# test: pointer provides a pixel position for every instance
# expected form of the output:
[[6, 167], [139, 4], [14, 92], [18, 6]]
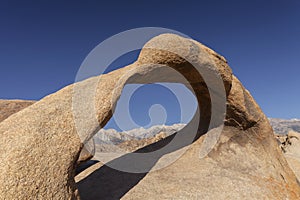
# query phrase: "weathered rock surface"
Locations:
[[87, 152], [290, 145], [40, 145], [9, 107], [127, 146]]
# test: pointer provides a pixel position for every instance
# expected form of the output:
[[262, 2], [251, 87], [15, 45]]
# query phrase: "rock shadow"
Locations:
[[107, 183]]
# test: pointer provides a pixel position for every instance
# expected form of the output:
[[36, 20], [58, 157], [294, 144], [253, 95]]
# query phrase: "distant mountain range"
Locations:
[[112, 136], [283, 126]]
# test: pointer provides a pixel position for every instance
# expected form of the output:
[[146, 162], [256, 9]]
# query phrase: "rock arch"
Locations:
[[40, 144]]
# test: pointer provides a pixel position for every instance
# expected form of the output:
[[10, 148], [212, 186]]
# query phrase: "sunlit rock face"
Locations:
[[9, 107], [41, 144]]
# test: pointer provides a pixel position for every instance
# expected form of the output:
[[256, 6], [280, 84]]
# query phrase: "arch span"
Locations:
[[41, 144]]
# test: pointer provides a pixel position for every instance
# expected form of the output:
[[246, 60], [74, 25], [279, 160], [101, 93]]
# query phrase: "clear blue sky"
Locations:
[[43, 43]]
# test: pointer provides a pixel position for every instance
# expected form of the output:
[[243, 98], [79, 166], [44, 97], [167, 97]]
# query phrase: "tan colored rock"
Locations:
[[128, 146], [9, 107], [290, 145], [41, 144], [87, 152]]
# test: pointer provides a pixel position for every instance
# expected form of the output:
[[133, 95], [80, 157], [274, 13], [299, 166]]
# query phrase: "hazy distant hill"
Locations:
[[283, 126], [112, 136]]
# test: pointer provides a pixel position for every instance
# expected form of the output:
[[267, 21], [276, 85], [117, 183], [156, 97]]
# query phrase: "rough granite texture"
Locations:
[[9, 107], [290, 145], [41, 144]]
